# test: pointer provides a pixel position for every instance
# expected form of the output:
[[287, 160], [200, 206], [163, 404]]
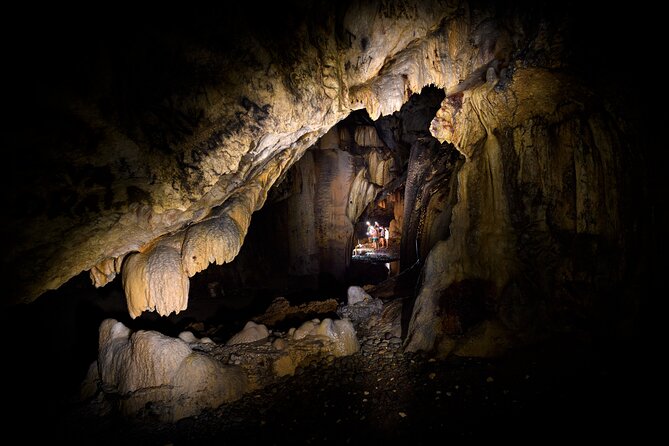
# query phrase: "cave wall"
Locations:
[[536, 241], [150, 128], [428, 198], [315, 215], [146, 154], [298, 220], [304, 235], [334, 231], [396, 224]]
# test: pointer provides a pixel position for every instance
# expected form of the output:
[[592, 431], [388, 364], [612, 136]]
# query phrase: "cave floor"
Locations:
[[365, 252], [568, 390]]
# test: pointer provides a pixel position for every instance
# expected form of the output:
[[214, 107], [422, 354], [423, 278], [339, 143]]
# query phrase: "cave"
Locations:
[[189, 190]]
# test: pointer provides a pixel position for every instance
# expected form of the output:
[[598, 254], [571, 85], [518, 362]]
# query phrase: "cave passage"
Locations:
[[374, 258], [309, 240], [188, 252], [298, 247]]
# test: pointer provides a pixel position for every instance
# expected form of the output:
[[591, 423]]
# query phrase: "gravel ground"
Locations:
[[566, 391]]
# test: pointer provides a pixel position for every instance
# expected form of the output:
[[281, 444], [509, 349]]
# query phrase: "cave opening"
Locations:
[[215, 185], [300, 244], [291, 249]]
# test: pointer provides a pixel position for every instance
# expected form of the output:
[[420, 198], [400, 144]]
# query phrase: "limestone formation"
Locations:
[[305, 329], [366, 136], [152, 164], [228, 124], [311, 213], [251, 332], [155, 281], [339, 333], [342, 333], [145, 368], [356, 294], [189, 338], [363, 191], [283, 353], [215, 241], [89, 387], [360, 306], [538, 180], [106, 271], [281, 309]]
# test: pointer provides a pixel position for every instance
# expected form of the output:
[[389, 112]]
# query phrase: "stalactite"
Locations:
[[379, 166], [366, 136], [362, 193], [216, 240], [106, 271], [155, 280]]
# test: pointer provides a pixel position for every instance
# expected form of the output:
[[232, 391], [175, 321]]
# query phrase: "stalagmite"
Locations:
[[250, 333], [339, 333], [148, 369]]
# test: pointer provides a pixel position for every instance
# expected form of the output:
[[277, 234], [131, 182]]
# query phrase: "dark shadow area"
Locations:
[[367, 272], [567, 390], [596, 388]]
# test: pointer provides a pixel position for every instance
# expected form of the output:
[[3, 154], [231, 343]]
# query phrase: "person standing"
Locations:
[[369, 232], [375, 237]]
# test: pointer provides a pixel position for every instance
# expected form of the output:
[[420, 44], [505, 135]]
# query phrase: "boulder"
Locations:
[[252, 332], [148, 373]]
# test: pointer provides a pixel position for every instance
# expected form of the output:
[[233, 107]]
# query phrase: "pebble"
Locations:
[[388, 379]]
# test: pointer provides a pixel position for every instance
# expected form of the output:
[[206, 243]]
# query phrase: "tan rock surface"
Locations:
[[148, 367], [235, 134]]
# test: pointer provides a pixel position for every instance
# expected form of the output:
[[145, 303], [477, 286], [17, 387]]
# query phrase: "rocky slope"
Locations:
[[381, 394]]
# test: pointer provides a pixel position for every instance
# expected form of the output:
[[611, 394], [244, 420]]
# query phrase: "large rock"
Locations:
[[360, 306], [280, 309], [355, 294], [146, 370], [339, 333], [542, 187], [251, 332]]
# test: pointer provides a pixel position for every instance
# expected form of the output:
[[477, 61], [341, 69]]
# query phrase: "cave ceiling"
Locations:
[[141, 143]]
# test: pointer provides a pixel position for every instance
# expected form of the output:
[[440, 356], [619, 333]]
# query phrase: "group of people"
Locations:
[[377, 235]]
